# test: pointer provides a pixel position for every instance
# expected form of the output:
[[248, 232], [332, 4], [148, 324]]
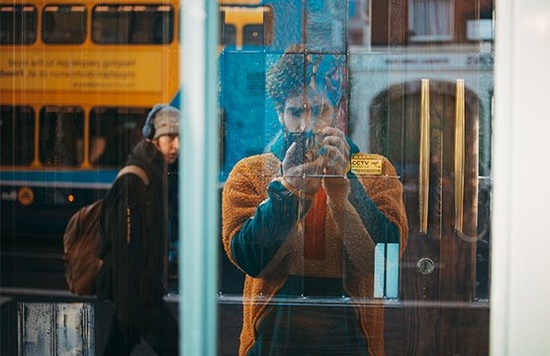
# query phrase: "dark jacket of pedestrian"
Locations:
[[134, 224]]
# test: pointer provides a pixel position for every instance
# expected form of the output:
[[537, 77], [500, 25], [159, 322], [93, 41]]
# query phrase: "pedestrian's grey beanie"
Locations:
[[167, 122]]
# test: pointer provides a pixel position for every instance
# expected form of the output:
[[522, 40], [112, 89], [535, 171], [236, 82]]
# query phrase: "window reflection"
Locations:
[[302, 219], [245, 26], [431, 20], [114, 131], [253, 35], [18, 24], [389, 49], [64, 24], [133, 24], [16, 135], [61, 136]]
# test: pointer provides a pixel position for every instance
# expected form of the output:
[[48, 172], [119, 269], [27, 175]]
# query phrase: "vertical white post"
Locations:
[[520, 292], [198, 178]]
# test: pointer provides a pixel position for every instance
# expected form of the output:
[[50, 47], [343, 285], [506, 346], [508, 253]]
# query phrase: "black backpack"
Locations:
[[82, 239]]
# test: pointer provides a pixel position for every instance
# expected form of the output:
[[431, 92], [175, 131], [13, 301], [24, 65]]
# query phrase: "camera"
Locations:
[[307, 147]]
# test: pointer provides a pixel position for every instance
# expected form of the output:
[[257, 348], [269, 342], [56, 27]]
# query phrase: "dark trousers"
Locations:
[[161, 335]]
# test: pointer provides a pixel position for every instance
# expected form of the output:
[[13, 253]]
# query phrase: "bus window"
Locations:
[[18, 24], [16, 135], [133, 24], [61, 135], [113, 134], [229, 35], [253, 35], [64, 24], [246, 26]]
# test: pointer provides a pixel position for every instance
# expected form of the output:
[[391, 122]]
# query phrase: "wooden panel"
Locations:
[[468, 333], [426, 329]]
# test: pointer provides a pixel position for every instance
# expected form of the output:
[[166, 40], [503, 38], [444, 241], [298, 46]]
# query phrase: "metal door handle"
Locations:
[[459, 155], [424, 161]]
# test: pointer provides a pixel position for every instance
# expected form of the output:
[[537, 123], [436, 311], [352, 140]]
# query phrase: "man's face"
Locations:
[[168, 146], [312, 113]]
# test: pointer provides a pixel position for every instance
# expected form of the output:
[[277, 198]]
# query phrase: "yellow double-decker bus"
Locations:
[[76, 77], [78, 70]]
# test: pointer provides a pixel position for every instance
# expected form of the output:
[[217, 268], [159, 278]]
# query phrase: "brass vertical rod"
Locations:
[[424, 161], [459, 155]]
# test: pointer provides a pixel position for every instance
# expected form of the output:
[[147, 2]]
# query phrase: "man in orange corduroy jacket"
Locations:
[[302, 221]]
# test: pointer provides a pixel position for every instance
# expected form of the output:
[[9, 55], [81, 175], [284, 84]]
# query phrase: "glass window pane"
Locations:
[[133, 24], [18, 24], [64, 24], [61, 136], [16, 135], [376, 56], [326, 25]]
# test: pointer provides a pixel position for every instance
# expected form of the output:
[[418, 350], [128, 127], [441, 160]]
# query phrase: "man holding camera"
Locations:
[[302, 222]]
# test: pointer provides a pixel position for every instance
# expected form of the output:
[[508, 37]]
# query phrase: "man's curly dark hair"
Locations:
[[286, 77], [298, 70]]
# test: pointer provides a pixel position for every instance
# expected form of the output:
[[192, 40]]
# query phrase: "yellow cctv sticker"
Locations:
[[362, 163], [25, 196]]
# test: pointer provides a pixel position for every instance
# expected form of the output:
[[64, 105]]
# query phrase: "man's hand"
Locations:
[[332, 159], [336, 152], [301, 174]]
